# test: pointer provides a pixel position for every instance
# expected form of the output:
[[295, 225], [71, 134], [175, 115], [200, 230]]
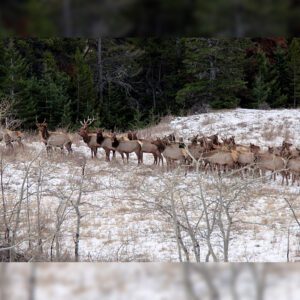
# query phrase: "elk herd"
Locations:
[[207, 153]]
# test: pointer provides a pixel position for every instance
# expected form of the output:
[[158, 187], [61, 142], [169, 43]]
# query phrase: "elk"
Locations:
[[106, 143], [89, 138], [195, 150], [172, 151], [293, 167], [229, 142], [254, 148], [221, 159], [148, 147], [271, 162], [127, 147], [9, 136], [214, 139], [54, 139], [95, 140]]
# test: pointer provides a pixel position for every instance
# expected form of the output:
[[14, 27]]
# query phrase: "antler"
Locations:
[[12, 124], [87, 122]]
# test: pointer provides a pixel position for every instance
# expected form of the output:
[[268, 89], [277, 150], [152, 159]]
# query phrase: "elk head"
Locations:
[[41, 126], [286, 145], [254, 149], [86, 123], [194, 139], [115, 143], [130, 135]]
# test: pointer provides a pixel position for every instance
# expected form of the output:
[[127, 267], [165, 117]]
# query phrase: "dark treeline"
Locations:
[[131, 82], [93, 18]]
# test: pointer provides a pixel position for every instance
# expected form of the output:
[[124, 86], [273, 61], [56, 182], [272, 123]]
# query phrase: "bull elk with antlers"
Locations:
[[54, 139], [89, 138], [95, 140]]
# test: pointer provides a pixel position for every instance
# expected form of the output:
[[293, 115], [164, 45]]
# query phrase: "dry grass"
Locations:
[[242, 125], [158, 130], [271, 132], [208, 120]]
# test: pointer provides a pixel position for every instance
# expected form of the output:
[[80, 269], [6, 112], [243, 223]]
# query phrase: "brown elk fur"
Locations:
[[54, 139], [293, 167], [11, 136], [173, 152], [148, 147], [271, 162], [127, 147]]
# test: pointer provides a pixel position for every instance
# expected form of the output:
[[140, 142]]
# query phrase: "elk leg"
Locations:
[[161, 159], [107, 152], [122, 155], [155, 159], [48, 149], [20, 143], [95, 152], [140, 157], [168, 164]]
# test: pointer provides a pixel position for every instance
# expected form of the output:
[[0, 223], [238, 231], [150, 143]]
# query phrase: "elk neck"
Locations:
[[45, 133]]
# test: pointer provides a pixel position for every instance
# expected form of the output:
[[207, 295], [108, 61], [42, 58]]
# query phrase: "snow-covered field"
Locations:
[[122, 217], [153, 281]]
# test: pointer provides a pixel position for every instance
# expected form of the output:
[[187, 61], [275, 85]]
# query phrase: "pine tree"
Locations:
[[13, 69], [261, 90], [279, 79], [84, 86], [53, 93], [294, 62], [215, 69], [66, 119], [27, 105]]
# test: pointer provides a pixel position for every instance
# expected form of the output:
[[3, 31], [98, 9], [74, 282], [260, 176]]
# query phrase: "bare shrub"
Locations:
[[269, 132]]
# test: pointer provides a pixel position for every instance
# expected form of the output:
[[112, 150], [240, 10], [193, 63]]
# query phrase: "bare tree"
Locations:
[[76, 205], [3, 281]]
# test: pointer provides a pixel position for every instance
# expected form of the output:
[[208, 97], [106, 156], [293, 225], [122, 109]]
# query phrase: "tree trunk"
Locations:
[[38, 198], [100, 69], [32, 282]]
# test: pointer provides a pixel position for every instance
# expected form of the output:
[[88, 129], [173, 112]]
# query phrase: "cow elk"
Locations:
[[127, 147], [147, 147], [54, 139]]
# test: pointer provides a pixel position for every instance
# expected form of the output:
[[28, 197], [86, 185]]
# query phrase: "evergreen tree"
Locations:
[[215, 69], [27, 106], [67, 115], [13, 70], [279, 79], [262, 88], [294, 62], [53, 93], [85, 91]]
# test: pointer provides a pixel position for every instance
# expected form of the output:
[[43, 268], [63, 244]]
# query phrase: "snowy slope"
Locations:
[[119, 219]]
